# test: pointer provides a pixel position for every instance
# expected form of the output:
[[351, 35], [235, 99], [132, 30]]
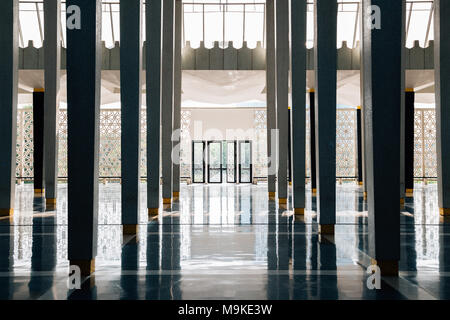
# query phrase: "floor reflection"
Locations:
[[222, 242]]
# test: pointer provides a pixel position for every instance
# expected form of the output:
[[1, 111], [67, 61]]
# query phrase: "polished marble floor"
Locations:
[[223, 242]]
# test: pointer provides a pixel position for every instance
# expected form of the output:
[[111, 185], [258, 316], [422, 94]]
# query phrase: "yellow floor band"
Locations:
[[167, 200], [153, 211], [176, 194], [299, 211], [39, 190], [445, 212], [402, 200], [282, 200]]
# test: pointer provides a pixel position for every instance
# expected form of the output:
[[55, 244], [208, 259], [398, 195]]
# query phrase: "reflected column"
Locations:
[[327, 262], [43, 256], [130, 267], [7, 262], [153, 261], [299, 255]]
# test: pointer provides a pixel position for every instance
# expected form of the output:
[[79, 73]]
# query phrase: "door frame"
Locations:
[[234, 142], [193, 160], [208, 166], [251, 160]]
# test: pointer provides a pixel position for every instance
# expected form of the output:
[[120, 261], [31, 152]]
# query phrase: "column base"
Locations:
[[326, 229], [39, 192], [6, 212], [272, 196], [153, 211], [388, 268], [445, 212], [409, 192], [50, 201], [282, 203], [299, 211], [130, 229], [167, 200], [87, 267], [176, 194]]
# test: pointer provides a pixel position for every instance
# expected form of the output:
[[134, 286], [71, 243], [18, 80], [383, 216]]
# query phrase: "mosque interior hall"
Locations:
[[224, 150]]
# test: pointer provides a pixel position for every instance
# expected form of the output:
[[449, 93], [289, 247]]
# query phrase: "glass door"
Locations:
[[198, 161], [214, 161], [245, 161], [230, 153]]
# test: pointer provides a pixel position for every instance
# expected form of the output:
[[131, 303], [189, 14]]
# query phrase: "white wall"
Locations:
[[222, 124]]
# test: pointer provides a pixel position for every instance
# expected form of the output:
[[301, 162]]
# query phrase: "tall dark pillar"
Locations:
[[325, 56], [153, 98], [442, 69], [382, 103], [312, 140], [359, 144], [409, 142], [282, 91], [271, 99], [52, 74], [442, 81], [298, 111], [38, 141], [177, 99], [9, 58], [83, 119], [289, 167], [130, 94], [167, 99]]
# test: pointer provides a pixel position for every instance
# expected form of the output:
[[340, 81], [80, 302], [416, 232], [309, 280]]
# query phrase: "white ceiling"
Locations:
[[229, 88]]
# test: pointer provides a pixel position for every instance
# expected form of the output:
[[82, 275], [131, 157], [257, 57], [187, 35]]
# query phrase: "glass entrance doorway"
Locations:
[[198, 161], [245, 162], [222, 161]]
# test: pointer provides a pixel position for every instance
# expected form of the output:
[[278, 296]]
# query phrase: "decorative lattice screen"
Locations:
[[424, 147]]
